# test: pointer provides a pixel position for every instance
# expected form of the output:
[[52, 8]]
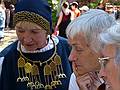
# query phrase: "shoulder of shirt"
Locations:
[[8, 49], [73, 84], [64, 40]]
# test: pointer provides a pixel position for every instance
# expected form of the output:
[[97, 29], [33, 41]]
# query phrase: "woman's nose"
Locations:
[[27, 37], [102, 72], [72, 56]]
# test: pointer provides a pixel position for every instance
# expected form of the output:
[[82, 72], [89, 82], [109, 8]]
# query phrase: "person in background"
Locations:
[[63, 20], [7, 11], [37, 60], [110, 63], [101, 6], [75, 10], [116, 12], [83, 35], [84, 9], [2, 19], [12, 9]]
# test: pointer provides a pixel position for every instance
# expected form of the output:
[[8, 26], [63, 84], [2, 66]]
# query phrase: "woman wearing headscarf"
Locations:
[[37, 60]]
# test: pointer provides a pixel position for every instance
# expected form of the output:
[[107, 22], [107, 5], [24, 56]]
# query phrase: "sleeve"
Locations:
[[73, 84], [1, 61]]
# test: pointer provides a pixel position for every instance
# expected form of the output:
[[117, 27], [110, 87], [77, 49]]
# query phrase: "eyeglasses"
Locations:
[[103, 61]]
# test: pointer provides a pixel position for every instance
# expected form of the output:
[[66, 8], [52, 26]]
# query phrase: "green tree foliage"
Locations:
[[54, 6], [115, 2], [90, 3]]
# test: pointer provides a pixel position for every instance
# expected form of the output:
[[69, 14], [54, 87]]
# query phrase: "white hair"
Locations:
[[91, 23], [86, 8], [112, 36]]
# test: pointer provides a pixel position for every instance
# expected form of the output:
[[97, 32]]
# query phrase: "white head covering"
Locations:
[[84, 8]]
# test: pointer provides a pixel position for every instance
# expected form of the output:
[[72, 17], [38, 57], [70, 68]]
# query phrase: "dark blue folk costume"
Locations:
[[45, 69]]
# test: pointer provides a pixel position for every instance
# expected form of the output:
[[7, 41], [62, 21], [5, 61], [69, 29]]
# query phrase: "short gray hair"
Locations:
[[91, 23], [112, 36]]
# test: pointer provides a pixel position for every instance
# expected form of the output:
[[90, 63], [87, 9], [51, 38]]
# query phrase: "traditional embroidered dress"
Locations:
[[14, 77]]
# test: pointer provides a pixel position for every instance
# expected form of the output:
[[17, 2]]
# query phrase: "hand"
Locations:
[[85, 82], [56, 31], [89, 81]]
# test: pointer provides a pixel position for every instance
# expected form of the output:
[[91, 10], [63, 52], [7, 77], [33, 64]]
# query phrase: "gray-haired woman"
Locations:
[[110, 64], [83, 35]]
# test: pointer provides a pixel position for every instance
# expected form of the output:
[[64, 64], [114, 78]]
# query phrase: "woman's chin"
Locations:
[[31, 49]]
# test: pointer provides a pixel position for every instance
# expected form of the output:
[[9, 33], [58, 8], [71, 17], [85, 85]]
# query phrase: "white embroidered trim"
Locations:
[[46, 48]]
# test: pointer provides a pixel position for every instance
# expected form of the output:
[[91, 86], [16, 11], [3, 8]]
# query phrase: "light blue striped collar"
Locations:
[[46, 48]]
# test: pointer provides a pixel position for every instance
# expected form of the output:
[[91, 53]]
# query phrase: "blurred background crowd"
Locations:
[[63, 12]]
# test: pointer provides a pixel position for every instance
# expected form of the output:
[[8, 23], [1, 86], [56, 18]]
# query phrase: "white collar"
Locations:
[[46, 48]]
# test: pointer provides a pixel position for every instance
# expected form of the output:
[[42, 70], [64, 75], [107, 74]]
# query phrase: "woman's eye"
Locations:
[[79, 50], [34, 31], [106, 62]]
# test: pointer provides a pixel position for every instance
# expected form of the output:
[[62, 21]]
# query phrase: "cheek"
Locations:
[[22, 35], [37, 40], [91, 61], [111, 69], [40, 40], [90, 56]]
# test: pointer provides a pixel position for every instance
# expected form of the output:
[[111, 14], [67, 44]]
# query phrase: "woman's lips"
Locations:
[[77, 64], [29, 44]]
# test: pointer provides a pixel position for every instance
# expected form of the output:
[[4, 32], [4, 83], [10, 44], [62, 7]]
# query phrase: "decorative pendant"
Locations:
[[30, 70], [58, 62]]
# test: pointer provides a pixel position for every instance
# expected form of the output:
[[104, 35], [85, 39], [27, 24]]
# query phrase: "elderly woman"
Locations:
[[37, 60], [110, 64], [83, 35]]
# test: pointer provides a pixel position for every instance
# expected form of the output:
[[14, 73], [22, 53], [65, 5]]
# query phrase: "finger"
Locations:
[[85, 85], [94, 76], [84, 77], [83, 88]]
